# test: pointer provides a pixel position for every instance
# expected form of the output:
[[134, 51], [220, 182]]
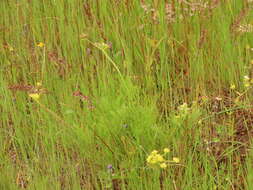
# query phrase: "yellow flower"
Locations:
[[11, 48], [40, 44], [175, 159], [177, 116], [247, 84], [35, 96], [159, 158], [183, 109], [232, 86], [39, 84], [154, 152], [154, 158], [149, 159], [163, 165], [102, 45], [246, 78], [166, 150], [184, 106]]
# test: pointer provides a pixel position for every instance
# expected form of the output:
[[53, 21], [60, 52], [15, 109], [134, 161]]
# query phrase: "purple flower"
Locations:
[[110, 168]]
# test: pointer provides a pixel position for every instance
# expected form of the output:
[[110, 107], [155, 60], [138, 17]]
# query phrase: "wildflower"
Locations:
[[38, 84], [151, 160], [183, 110], [200, 122], [246, 81], [40, 44], [175, 159], [183, 107], [35, 96], [177, 116], [246, 78], [109, 168], [247, 85], [11, 48], [154, 158], [159, 158], [163, 165], [166, 150], [232, 86], [102, 45]]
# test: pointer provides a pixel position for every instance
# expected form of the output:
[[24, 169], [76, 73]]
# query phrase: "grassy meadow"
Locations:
[[126, 94]]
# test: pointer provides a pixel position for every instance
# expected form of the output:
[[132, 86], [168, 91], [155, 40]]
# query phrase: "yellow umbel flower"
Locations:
[[163, 165], [102, 45], [246, 81], [246, 78], [35, 96], [38, 84], [183, 107], [159, 158], [166, 150], [40, 44], [154, 158], [247, 84], [11, 48], [154, 152], [232, 86], [176, 160]]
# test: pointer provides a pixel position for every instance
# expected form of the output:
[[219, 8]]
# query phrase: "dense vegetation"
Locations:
[[126, 94]]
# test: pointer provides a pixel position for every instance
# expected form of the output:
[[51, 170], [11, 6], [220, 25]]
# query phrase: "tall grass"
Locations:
[[113, 76]]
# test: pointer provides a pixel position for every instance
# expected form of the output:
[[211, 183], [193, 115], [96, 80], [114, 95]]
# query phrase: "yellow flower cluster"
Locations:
[[246, 81], [154, 158], [36, 95], [158, 159], [41, 44], [183, 108], [232, 86], [183, 111], [102, 45]]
